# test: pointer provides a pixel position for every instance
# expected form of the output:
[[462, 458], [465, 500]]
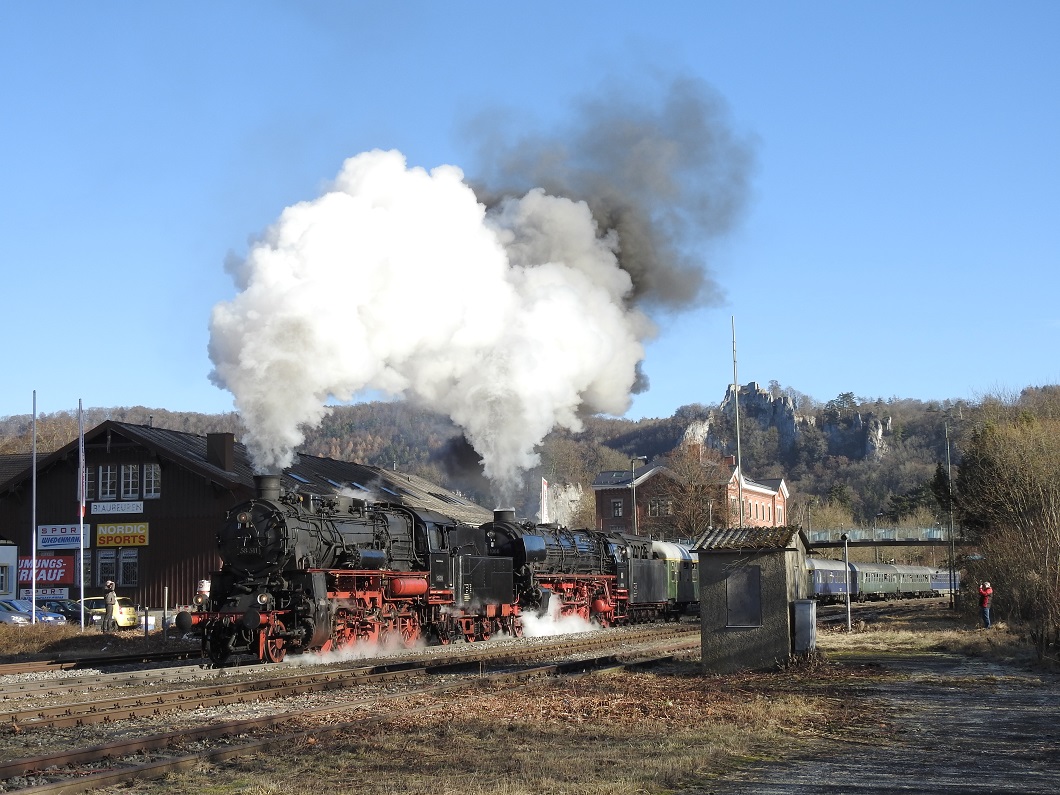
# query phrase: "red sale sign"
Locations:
[[57, 570]]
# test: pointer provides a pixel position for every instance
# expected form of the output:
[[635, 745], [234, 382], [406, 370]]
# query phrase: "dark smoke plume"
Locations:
[[665, 176]]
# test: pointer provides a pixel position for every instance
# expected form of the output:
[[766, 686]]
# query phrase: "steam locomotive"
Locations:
[[310, 573]]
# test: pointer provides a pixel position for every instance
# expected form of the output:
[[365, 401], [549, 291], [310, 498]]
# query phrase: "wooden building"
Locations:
[[155, 499]]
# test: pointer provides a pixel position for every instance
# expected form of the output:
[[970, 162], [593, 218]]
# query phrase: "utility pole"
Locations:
[[949, 505], [846, 568], [633, 488], [736, 407]]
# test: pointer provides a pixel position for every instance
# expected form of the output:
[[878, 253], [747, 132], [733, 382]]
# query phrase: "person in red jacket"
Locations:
[[985, 594]]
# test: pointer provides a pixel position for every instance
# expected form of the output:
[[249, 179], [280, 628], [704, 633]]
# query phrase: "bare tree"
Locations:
[[694, 490], [1008, 493]]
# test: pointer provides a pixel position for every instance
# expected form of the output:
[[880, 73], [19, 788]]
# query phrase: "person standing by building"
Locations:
[[110, 604], [986, 593]]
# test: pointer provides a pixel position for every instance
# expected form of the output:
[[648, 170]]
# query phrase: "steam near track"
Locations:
[[513, 311]]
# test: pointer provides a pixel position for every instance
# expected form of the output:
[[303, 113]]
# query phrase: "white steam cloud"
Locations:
[[512, 321], [516, 306]]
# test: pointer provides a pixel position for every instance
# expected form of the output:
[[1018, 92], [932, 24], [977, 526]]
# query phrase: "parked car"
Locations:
[[17, 619], [127, 613], [25, 607], [72, 609]]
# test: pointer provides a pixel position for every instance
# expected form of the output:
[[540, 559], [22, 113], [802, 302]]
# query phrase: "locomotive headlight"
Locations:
[[200, 599], [243, 517], [263, 599]]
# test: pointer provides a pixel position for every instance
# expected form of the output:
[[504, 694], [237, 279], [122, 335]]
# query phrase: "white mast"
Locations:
[[736, 405], [33, 518]]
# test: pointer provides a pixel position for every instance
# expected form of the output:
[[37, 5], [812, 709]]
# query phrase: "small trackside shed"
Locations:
[[749, 582]]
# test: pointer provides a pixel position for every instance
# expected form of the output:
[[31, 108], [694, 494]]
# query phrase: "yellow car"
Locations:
[[127, 615]]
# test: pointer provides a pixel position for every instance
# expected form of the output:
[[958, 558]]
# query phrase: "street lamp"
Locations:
[[846, 571], [633, 488]]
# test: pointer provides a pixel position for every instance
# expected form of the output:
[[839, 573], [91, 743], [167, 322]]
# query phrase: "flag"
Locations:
[[544, 501]]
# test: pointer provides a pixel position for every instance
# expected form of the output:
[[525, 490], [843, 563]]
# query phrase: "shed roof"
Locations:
[[749, 538]]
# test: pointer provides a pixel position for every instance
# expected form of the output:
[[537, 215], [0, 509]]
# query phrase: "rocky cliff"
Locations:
[[849, 434]]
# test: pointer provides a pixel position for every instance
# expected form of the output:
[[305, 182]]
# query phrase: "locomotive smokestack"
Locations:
[[504, 514], [268, 486]]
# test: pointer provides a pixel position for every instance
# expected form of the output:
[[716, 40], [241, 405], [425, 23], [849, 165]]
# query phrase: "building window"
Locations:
[[90, 483], [107, 566], [661, 507], [152, 481], [108, 482], [129, 567], [120, 565], [616, 509], [130, 481], [5, 578]]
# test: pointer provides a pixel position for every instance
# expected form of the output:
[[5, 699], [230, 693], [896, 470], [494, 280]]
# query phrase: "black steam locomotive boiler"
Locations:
[[307, 573]]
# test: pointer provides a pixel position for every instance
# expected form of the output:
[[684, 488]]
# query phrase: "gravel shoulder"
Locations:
[[946, 724]]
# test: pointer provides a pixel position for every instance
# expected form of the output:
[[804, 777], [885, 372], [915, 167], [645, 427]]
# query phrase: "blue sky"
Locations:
[[901, 236]]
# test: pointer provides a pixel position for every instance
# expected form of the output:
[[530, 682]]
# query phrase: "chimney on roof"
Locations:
[[221, 450], [730, 460]]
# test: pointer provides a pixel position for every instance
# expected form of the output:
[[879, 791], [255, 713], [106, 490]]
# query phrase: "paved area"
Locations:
[[970, 726]]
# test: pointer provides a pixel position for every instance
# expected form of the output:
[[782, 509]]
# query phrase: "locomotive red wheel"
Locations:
[[484, 630], [275, 649], [516, 628], [409, 629]]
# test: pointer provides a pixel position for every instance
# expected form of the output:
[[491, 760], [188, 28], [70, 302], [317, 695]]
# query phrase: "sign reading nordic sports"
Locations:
[[132, 534]]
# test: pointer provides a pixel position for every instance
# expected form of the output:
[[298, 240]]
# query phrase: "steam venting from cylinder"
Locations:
[[514, 309]]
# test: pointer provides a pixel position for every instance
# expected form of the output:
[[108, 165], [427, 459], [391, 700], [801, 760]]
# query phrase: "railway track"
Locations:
[[97, 661], [139, 734]]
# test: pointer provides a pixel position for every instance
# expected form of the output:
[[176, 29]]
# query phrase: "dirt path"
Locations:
[[960, 725]]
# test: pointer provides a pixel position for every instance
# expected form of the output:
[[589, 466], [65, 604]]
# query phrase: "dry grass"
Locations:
[[617, 734], [936, 630], [643, 733], [37, 641]]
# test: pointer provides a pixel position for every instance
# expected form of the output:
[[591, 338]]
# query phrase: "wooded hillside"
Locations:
[[830, 470]]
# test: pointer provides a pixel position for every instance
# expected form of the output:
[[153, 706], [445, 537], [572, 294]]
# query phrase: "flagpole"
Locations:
[[81, 503], [33, 519]]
